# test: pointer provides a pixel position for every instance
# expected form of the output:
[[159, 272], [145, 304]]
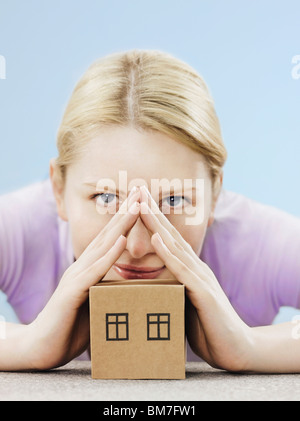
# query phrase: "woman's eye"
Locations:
[[174, 202], [104, 199], [171, 202]]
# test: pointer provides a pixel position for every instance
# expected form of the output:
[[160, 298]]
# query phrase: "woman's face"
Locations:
[[123, 157]]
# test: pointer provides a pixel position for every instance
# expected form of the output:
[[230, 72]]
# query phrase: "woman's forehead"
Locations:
[[138, 154]]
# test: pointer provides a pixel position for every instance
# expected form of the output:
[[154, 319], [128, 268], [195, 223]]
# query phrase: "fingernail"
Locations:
[[159, 238], [119, 240], [134, 189], [145, 189]]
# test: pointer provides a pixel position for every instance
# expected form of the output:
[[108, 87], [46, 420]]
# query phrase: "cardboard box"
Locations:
[[137, 329]]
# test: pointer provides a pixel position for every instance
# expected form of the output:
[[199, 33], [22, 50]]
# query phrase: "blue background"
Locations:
[[242, 48]]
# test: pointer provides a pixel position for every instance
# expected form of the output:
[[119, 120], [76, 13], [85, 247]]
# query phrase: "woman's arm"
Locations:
[[215, 331], [276, 348], [265, 349], [61, 330], [14, 347]]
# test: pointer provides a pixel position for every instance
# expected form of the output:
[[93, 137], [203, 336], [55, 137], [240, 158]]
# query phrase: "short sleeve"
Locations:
[[254, 251], [11, 243], [33, 248]]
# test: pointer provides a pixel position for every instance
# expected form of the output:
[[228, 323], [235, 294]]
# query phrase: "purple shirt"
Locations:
[[253, 249]]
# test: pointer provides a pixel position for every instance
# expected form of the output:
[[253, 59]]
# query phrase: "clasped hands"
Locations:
[[214, 330]]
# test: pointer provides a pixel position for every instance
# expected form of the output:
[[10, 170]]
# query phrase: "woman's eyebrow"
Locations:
[[171, 191], [94, 186]]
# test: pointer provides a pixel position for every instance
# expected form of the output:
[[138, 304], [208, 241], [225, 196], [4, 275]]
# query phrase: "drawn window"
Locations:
[[158, 326], [117, 326]]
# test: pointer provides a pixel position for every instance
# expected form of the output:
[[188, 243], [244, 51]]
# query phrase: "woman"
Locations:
[[149, 116]]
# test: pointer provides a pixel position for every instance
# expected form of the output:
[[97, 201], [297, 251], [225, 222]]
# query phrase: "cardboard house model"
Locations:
[[137, 329]]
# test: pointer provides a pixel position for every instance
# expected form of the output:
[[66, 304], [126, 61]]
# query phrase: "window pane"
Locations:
[[164, 330], [164, 317], [158, 326], [152, 318], [111, 331], [116, 326], [122, 331], [152, 329]]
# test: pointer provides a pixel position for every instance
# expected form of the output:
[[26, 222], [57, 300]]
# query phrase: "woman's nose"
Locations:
[[139, 240]]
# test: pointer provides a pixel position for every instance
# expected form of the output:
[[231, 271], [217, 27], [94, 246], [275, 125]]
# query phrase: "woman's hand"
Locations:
[[61, 331], [214, 330]]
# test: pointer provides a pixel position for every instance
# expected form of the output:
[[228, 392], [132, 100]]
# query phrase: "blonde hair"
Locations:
[[146, 89]]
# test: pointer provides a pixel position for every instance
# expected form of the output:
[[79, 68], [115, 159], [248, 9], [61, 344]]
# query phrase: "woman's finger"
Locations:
[[181, 249], [154, 219], [95, 272], [180, 270], [161, 218], [133, 197], [123, 219], [106, 238]]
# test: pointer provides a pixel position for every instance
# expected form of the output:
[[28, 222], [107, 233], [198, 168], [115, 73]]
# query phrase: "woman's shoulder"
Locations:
[[234, 210], [35, 245], [30, 212], [247, 233], [254, 250], [28, 196]]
